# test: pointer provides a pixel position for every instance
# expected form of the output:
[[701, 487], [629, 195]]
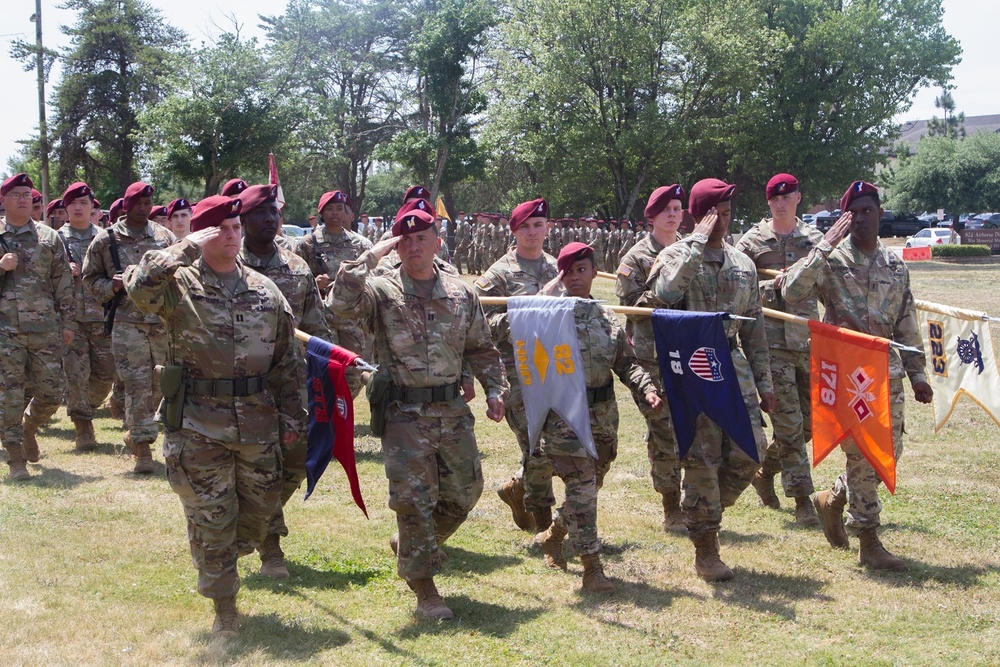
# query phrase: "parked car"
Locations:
[[929, 237], [900, 224], [825, 219], [809, 219], [985, 221], [949, 219], [293, 230]]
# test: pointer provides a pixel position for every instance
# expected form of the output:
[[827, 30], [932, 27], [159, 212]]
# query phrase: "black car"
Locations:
[[900, 224], [824, 221]]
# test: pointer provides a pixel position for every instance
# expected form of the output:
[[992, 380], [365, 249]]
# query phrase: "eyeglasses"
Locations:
[[18, 196]]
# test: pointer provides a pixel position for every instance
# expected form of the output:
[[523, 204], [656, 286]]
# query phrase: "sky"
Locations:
[[972, 22]]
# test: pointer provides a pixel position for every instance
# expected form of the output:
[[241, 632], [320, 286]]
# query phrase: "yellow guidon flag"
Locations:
[[440, 210], [960, 359]]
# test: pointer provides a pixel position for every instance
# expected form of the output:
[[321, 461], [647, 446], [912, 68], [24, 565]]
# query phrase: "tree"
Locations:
[[120, 55], [951, 125], [961, 175]]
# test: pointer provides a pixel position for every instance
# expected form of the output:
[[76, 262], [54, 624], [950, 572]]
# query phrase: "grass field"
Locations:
[[95, 569]]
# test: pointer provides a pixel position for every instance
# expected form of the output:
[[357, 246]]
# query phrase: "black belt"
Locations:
[[445, 392], [601, 394], [732, 344], [224, 387]]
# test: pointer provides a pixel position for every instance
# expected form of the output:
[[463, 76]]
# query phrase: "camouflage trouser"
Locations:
[[228, 493], [792, 423], [293, 464], [90, 370], [536, 469], [137, 348], [435, 479], [661, 443], [31, 362], [859, 483], [462, 257], [717, 471]]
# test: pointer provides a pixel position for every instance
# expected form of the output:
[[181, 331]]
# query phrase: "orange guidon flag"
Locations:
[[850, 396]]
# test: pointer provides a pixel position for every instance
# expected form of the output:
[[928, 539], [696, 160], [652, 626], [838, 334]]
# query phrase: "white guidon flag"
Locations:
[[960, 359], [547, 357]]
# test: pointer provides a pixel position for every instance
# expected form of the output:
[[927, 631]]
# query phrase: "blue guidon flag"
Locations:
[[699, 377]]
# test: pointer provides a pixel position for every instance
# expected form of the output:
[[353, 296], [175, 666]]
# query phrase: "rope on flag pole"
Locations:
[[359, 362]]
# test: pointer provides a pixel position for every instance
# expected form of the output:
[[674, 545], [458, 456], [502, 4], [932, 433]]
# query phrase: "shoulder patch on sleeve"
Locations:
[[483, 283], [625, 270]]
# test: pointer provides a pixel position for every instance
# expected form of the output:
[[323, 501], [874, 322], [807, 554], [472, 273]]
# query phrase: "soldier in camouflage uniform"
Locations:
[[604, 349], [427, 325], [462, 242], [325, 249], [628, 240], [597, 239], [665, 209], [554, 240], [776, 243], [88, 362], [865, 287], [292, 276], [138, 341], [233, 333], [37, 318], [704, 274], [522, 272], [613, 246]]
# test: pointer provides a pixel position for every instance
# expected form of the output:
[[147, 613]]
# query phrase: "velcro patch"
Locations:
[[484, 283], [625, 270]]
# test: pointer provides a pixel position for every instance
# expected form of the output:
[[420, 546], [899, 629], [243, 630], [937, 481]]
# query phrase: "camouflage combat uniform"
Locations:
[[89, 364], [295, 281], [512, 276], [631, 290], [224, 462], [871, 296], [138, 341], [324, 255], [716, 471], [36, 304], [429, 446], [789, 353], [462, 243], [604, 349], [613, 248]]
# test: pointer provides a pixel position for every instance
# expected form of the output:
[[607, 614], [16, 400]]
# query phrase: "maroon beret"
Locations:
[[536, 208], [257, 195], [16, 181], [858, 189], [97, 203], [335, 197], [76, 191], [36, 196], [133, 193], [417, 191], [781, 184], [415, 205], [212, 211], [412, 221], [116, 209], [572, 252], [707, 194], [178, 205], [53, 205], [159, 212], [661, 197], [234, 187]]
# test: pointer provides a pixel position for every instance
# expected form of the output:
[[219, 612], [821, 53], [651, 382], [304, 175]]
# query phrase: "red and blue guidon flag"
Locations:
[[699, 377], [331, 415]]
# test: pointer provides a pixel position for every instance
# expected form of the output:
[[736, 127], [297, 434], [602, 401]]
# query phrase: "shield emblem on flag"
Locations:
[[705, 364]]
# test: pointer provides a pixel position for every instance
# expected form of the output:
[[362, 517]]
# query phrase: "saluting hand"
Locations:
[[203, 236], [495, 409], [8, 262], [922, 392], [707, 223], [382, 248], [839, 229], [552, 287]]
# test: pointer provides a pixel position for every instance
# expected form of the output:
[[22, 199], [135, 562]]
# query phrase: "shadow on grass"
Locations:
[[617, 548], [461, 561], [487, 618], [729, 537], [635, 593], [58, 432], [318, 572], [769, 592], [56, 478], [268, 634], [920, 574], [368, 456]]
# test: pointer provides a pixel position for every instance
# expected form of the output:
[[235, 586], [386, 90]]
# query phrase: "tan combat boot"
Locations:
[[272, 558], [512, 493], [593, 575], [707, 562], [831, 510], [86, 440], [143, 456], [429, 602], [673, 517], [551, 544], [764, 486], [15, 459], [227, 619], [29, 445], [872, 554], [805, 513], [541, 520]]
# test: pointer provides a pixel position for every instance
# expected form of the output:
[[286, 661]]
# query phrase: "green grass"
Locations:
[[95, 568]]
